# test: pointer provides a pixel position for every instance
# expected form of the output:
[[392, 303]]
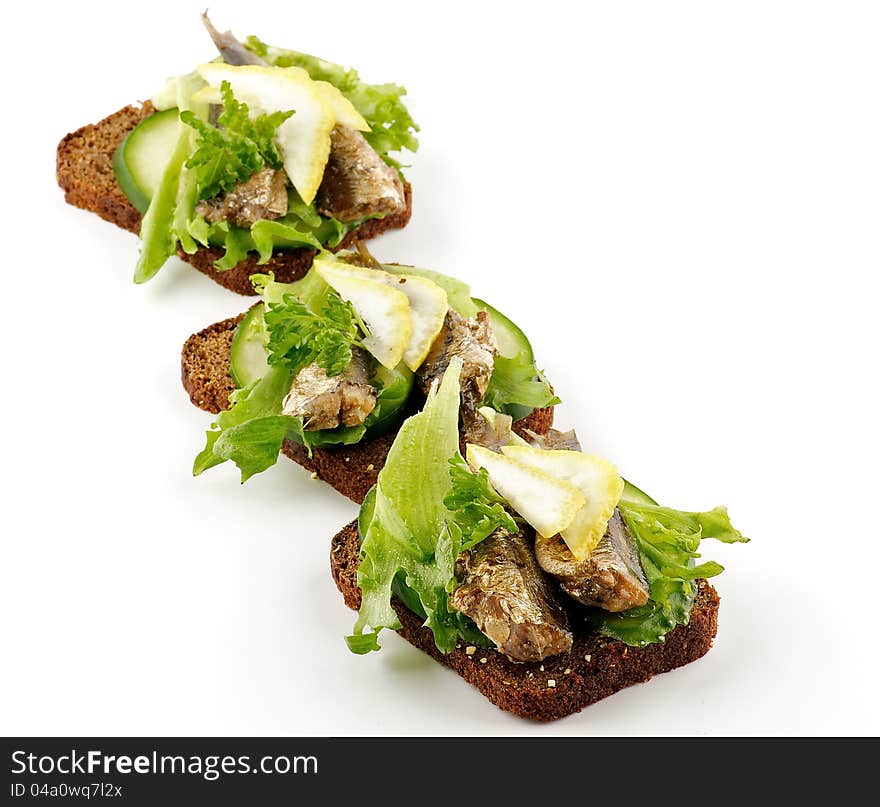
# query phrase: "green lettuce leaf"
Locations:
[[310, 289], [667, 541], [517, 387], [410, 540], [251, 431], [173, 219], [394, 388], [391, 126], [164, 220], [477, 508]]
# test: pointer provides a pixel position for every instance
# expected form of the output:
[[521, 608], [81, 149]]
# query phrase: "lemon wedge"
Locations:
[[547, 503], [304, 138], [428, 305], [343, 109], [595, 477], [382, 308]]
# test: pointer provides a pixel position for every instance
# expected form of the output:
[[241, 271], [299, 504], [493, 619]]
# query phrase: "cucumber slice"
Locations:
[[140, 159], [247, 354], [510, 339], [632, 494]]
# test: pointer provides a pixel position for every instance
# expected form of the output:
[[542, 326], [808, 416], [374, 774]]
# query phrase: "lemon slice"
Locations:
[[428, 305], [548, 504], [343, 109], [595, 477], [383, 309], [304, 138]]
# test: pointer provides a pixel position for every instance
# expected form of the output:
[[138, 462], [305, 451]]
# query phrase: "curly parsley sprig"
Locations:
[[236, 148], [298, 336]]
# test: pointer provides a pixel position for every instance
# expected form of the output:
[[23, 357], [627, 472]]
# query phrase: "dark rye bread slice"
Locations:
[[594, 668], [352, 470], [84, 169]]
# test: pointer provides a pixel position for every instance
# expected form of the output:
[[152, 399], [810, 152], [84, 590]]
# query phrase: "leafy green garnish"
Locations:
[[251, 431], [236, 148], [410, 541], [298, 336], [244, 146], [159, 226], [477, 508], [391, 126], [517, 382], [667, 541]]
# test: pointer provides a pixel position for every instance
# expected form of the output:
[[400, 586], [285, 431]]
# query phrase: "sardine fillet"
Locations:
[[357, 182], [325, 402], [473, 341], [610, 578], [263, 196], [506, 594]]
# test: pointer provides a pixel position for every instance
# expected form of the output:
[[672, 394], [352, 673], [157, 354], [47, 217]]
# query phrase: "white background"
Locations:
[[679, 203]]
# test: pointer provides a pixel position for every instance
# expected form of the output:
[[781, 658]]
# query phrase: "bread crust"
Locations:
[[352, 470], [594, 668], [84, 170]]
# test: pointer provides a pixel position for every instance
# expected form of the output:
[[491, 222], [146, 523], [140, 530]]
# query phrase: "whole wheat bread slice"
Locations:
[[84, 168], [594, 668], [352, 470]]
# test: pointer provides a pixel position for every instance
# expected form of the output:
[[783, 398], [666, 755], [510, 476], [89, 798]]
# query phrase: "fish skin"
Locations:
[[509, 598], [263, 196], [231, 49], [325, 402], [554, 440], [610, 578], [477, 430], [357, 182], [473, 341]]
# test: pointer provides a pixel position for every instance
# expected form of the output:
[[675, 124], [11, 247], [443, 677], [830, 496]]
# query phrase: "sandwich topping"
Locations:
[[263, 196], [512, 548], [473, 341], [333, 358], [501, 588], [263, 150], [327, 402], [610, 577], [357, 183]]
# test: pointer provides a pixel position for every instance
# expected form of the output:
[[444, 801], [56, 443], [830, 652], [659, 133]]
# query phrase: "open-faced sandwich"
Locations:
[[529, 567], [327, 367], [256, 159]]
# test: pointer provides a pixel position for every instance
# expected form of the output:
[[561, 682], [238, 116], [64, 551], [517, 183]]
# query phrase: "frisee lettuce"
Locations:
[[409, 539], [236, 148], [667, 541]]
